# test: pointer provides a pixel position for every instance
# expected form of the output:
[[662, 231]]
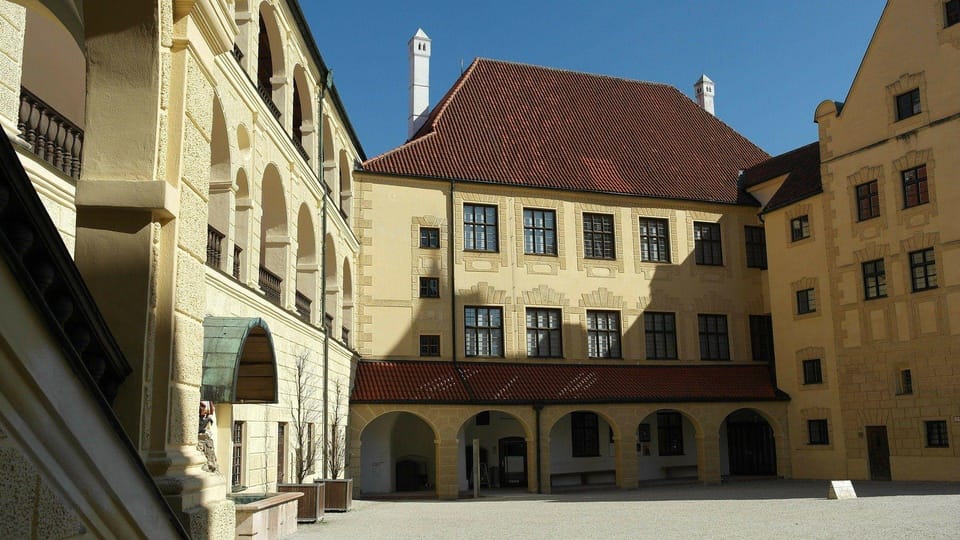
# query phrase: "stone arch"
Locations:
[[271, 62], [304, 129], [274, 242], [219, 204], [390, 463], [347, 302], [332, 288], [670, 444], [346, 183], [507, 449], [770, 449], [307, 267], [579, 451], [243, 208]]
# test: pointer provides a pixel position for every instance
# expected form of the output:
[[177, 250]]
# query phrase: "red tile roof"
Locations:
[[486, 382], [803, 165], [523, 125]]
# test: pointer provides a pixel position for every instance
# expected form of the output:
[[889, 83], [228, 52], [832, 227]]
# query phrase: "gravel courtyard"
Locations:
[[749, 509]]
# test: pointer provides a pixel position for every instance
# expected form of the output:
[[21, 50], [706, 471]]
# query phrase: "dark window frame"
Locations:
[[938, 434], [812, 371], [874, 279], [916, 189], [430, 345], [761, 338], [907, 104], [905, 383], [707, 243], [491, 335], [800, 228], [429, 287], [429, 237], [660, 332], [479, 232], [544, 336], [714, 337], [806, 301], [281, 451], [868, 200], [599, 236], [236, 438], [584, 434], [818, 432], [545, 232], [654, 240], [923, 271], [755, 240], [604, 334], [951, 15], [670, 434]]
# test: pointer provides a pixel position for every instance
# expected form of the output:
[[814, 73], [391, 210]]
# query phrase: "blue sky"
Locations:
[[772, 61]]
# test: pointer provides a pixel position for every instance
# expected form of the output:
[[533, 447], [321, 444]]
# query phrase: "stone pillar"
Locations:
[[708, 458], [626, 461], [447, 454], [544, 463], [12, 32]]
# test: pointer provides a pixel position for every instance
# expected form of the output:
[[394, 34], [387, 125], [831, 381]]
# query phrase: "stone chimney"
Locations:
[[419, 47], [704, 90]]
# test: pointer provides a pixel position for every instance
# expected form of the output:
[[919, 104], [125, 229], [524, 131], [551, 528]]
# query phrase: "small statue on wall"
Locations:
[[206, 437]]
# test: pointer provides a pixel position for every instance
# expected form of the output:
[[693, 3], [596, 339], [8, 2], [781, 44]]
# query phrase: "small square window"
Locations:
[[806, 301], [915, 191], [905, 382], [868, 200], [480, 228], [952, 12], [429, 237], [603, 334], [598, 236], [818, 431], [714, 343], [429, 345], [811, 372], [874, 280], [937, 436], [429, 287], [799, 228], [654, 240], [544, 334], [539, 232], [923, 270], [660, 330], [707, 246], [908, 104]]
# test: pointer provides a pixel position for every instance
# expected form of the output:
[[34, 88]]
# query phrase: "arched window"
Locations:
[[346, 331], [273, 237], [306, 264], [270, 61], [219, 236]]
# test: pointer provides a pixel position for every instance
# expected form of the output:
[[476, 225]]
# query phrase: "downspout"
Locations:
[[328, 82], [452, 269], [538, 408]]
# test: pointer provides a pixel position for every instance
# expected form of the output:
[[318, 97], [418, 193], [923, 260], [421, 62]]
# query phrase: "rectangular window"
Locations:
[[874, 280], [818, 433], [906, 382], [707, 246], [480, 227], [483, 331], [756, 240], [714, 344], [923, 270], [237, 469], [281, 451], [429, 345], [915, 186], [868, 200], [603, 334], [661, 333], [429, 287], [598, 236], [811, 372], [544, 333], [539, 232], [429, 237], [654, 240], [585, 434], [806, 301], [952, 9], [670, 433], [937, 436], [799, 228], [761, 338], [908, 104]]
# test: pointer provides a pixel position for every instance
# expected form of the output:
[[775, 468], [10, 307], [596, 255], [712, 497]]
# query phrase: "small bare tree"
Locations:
[[305, 410], [336, 444]]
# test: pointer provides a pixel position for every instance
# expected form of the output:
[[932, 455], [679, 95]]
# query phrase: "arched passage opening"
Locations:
[[747, 445], [502, 441], [243, 209], [332, 285], [306, 263], [273, 236], [346, 184], [347, 301], [398, 454], [582, 450], [303, 133], [329, 157], [220, 192], [667, 447], [270, 61]]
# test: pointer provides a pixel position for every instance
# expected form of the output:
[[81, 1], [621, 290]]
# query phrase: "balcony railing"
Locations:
[[237, 53], [236, 261], [51, 136], [270, 284], [267, 95], [303, 305], [214, 247]]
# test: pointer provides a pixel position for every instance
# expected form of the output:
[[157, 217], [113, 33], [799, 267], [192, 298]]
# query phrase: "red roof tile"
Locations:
[[468, 382], [532, 126], [803, 165]]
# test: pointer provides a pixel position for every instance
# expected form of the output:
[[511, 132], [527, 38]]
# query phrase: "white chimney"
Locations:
[[704, 90], [419, 46]]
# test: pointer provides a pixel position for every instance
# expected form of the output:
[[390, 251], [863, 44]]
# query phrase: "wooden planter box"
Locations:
[[311, 506], [339, 496]]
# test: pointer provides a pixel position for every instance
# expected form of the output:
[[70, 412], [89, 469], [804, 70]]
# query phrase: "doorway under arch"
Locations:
[[397, 454], [748, 441], [503, 451]]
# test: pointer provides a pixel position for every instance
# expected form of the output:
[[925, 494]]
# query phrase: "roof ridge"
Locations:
[[572, 71], [448, 97]]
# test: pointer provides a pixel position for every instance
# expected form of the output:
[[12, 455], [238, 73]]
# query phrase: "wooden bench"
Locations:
[[680, 471], [585, 478]]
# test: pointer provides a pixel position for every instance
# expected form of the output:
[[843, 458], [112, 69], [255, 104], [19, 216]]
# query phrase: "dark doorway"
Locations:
[[513, 462], [879, 451], [751, 446], [411, 475]]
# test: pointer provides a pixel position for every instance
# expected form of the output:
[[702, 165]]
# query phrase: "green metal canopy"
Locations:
[[239, 363]]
